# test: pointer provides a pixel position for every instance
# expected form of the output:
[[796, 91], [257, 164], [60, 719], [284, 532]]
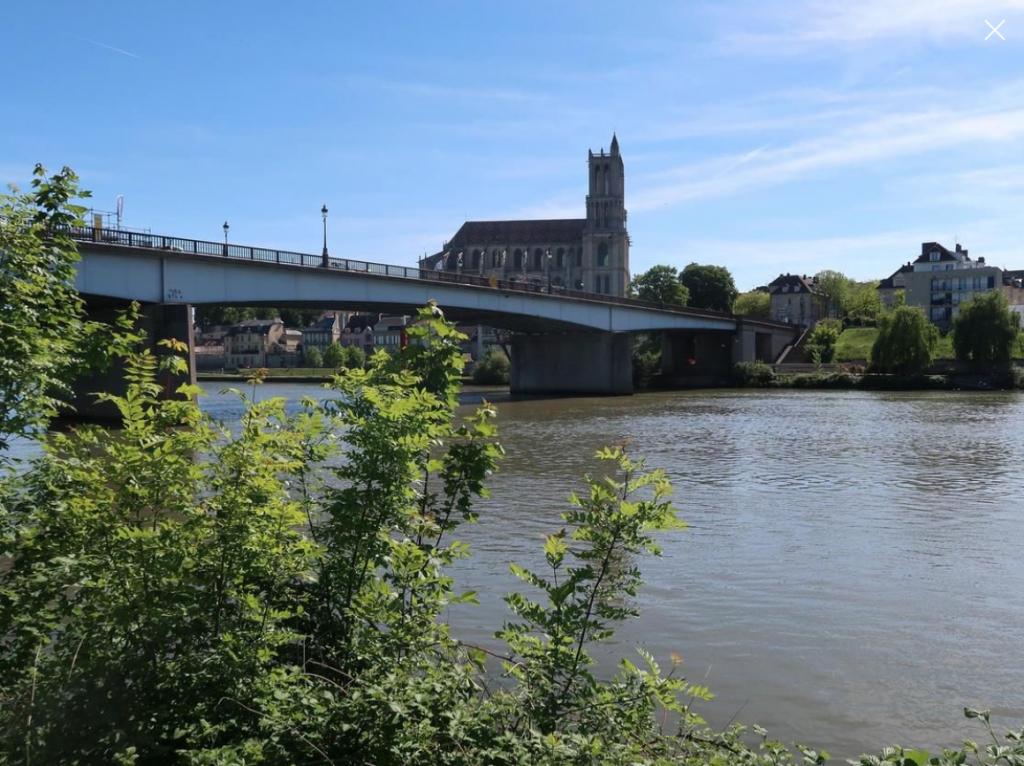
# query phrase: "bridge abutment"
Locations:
[[587, 364], [159, 322]]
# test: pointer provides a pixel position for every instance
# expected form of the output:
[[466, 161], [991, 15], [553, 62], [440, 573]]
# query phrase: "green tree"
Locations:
[[355, 357], [985, 331], [906, 342], [863, 302], [756, 303], [660, 284], [833, 292], [44, 335], [493, 369], [313, 357], [335, 356], [208, 316], [710, 287], [822, 340]]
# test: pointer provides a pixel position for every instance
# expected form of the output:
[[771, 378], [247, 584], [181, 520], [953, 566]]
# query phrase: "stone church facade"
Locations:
[[589, 253]]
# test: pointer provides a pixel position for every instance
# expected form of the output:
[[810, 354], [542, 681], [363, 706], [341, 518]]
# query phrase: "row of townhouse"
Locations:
[[938, 281], [268, 343]]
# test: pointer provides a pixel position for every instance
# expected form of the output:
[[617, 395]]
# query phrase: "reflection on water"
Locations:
[[852, 573]]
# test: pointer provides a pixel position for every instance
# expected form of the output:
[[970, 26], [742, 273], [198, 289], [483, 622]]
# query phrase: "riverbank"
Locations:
[[287, 375], [759, 375]]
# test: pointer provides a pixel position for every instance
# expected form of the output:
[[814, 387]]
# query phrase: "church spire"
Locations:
[[615, 144]]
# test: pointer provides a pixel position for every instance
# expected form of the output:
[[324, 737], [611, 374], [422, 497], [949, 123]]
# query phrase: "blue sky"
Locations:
[[764, 136]]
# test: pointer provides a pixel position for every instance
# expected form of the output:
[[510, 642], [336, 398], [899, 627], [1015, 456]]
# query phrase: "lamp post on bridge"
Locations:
[[323, 212], [226, 229], [548, 263]]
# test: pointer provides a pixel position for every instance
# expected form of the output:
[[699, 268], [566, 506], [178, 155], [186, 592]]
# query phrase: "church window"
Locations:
[[538, 259], [495, 258], [597, 284], [579, 257], [517, 259], [475, 262], [606, 187], [607, 285], [602, 255], [560, 258]]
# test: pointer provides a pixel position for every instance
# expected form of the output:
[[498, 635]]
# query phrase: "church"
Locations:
[[589, 253]]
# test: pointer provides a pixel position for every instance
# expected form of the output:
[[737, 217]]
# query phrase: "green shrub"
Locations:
[[1017, 377], [335, 355], [492, 370], [821, 342], [355, 358], [646, 364], [754, 375], [314, 358]]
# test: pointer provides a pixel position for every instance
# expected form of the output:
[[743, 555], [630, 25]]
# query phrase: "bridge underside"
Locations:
[[588, 364]]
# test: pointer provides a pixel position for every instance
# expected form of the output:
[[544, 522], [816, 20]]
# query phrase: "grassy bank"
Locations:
[[855, 344]]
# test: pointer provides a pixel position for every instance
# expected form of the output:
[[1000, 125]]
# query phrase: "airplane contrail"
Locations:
[[109, 47]]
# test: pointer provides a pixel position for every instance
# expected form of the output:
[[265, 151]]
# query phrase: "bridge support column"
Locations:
[[588, 364], [159, 322]]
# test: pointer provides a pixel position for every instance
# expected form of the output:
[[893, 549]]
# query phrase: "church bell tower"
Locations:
[[605, 239]]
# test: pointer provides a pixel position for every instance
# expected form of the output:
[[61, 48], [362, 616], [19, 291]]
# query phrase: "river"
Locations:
[[852, 573]]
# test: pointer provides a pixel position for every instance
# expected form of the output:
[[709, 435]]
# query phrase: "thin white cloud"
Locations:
[[110, 47], [791, 28], [912, 131]]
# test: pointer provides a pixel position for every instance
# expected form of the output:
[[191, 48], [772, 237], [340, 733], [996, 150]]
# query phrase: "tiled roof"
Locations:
[[254, 326], [794, 283], [887, 283], [518, 232], [512, 234], [945, 254]]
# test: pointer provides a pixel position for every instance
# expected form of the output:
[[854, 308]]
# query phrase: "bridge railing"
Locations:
[[146, 240]]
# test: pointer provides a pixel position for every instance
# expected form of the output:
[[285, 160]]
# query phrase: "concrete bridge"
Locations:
[[565, 341]]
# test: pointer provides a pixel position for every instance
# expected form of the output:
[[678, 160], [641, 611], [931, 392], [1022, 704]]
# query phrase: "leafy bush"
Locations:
[[314, 358], [1017, 377], [825, 380], [492, 370], [754, 375], [355, 358], [646, 364], [821, 342]]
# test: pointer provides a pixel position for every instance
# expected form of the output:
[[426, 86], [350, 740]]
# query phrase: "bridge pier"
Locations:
[[159, 322], [588, 364]]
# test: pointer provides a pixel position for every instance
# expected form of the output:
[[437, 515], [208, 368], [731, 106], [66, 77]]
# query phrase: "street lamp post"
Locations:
[[226, 229], [549, 270], [323, 212]]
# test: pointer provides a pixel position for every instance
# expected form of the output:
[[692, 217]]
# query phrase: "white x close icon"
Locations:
[[995, 29]]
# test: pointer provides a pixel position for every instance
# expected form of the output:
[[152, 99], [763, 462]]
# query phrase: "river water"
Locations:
[[852, 575]]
